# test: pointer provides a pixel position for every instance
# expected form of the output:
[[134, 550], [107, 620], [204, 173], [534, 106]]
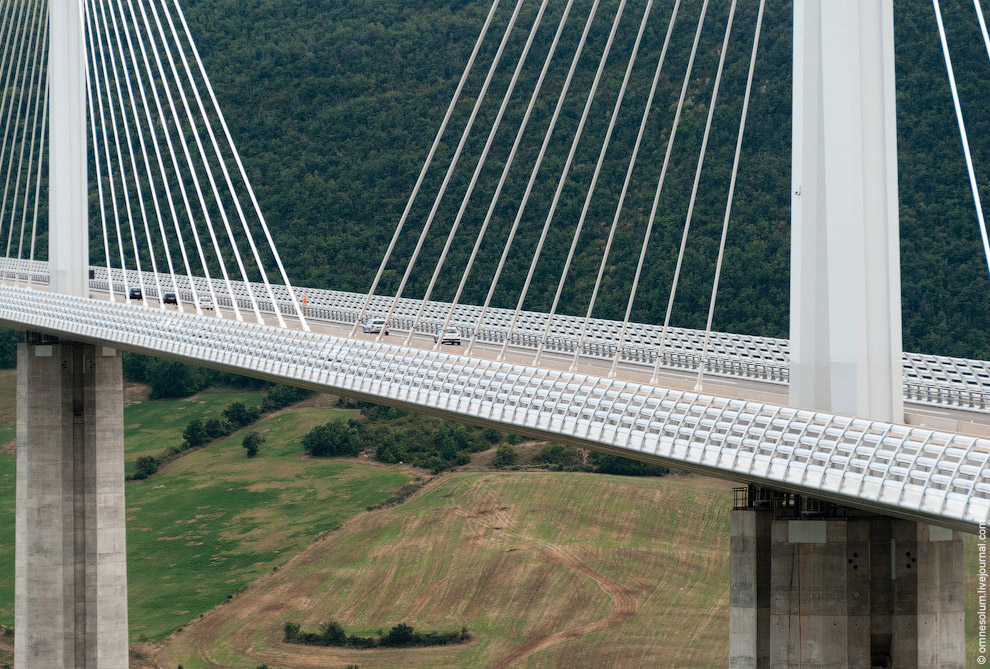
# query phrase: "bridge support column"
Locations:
[[71, 569], [857, 591]]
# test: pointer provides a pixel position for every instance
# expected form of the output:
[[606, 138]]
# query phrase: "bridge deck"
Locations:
[[907, 471]]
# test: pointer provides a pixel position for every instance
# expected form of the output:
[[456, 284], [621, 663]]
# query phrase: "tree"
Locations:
[[505, 456], [613, 464], [400, 635], [251, 442], [217, 427], [145, 466], [560, 456], [239, 415], [333, 634], [195, 434], [173, 379], [332, 439]]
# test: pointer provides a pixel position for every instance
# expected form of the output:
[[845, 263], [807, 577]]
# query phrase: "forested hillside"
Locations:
[[334, 104]]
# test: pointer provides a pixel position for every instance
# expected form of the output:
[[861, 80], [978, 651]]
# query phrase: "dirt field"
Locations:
[[563, 570]]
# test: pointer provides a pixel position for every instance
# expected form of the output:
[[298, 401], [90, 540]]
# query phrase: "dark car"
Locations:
[[136, 294], [169, 298]]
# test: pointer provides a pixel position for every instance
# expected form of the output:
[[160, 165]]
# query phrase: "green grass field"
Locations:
[[152, 426], [213, 521]]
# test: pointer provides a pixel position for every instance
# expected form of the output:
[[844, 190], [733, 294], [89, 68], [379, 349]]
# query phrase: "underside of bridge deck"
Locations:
[[71, 569]]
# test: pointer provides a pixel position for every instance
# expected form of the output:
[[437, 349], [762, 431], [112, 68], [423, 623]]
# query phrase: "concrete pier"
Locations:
[[845, 589], [71, 569]]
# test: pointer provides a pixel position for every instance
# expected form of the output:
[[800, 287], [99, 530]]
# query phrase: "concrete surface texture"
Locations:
[[71, 569], [862, 591]]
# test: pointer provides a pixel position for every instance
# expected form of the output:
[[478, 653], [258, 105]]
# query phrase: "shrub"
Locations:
[[145, 466], [216, 428], [390, 452], [333, 634], [280, 396], [291, 631], [559, 455], [514, 439], [505, 456], [195, 434], [613, 464], [332, 439], [251, 442], [492, 436], [400, 635], [239, 415]]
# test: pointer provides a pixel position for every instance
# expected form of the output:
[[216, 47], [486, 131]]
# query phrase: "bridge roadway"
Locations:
[[937, 381], [906, 471]]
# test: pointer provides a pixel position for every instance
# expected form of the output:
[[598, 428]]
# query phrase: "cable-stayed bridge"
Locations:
[[108, 108]]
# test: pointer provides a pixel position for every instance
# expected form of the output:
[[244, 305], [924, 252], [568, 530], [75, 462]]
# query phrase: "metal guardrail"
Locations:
[[928, 379]]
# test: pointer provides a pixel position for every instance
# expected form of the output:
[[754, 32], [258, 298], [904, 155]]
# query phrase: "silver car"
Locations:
[[448, 336], [374, 326]]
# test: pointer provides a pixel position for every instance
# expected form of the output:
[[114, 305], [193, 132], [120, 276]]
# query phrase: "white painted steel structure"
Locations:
[[69, 191], [910, 472]]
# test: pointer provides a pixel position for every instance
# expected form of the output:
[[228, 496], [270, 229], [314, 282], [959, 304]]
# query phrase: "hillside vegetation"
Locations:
[[334, 103], [542, 569]]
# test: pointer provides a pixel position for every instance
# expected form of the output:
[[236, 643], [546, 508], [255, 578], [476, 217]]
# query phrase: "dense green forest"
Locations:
[[334, 104]]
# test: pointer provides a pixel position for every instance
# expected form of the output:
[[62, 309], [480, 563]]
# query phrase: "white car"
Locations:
[[374, 326], [448, 336], [206, 303]]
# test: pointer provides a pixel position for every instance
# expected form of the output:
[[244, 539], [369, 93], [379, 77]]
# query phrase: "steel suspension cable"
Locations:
[[659, 190], [974, 187], [90, 75], [426, 165], [12, 83], [130, 145], [728, 203], [983, 25], [563, 177], [536, 168], [209, 176], [477, 170], [594, 180], [453, 164], [93, 85], [207, 219], [230, 185], [694, 188], [625, 185], [247, 183], [27, 83], [42, 49], [508, 164], [96, 38], [144, 149], [162, 120], [41, 163], [6, 29]]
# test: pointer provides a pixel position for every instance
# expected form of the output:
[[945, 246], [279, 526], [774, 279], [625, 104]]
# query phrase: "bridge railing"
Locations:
[[928, 379]]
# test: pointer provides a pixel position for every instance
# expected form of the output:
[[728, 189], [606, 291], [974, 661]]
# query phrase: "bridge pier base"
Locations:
[[71, 569], [844, 589]]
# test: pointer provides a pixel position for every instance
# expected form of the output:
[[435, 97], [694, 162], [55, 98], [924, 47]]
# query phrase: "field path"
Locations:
[[493, 516]]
